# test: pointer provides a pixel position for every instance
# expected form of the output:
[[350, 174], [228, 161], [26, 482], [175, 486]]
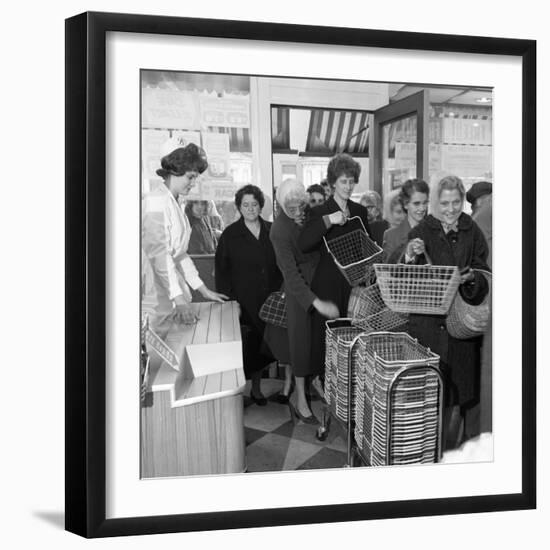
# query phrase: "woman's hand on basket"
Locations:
[[466, 276], [326, 308], [415, 248], [337, 218]]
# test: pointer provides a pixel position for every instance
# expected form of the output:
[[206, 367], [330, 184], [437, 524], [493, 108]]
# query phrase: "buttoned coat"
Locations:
[[460, 359], [297, 268], [246, 271]]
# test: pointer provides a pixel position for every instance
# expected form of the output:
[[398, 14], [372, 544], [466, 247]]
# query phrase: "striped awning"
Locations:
[[280, 128], [333, 132], [239, 138]]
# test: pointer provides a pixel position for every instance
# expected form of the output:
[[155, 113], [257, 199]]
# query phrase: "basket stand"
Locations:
[[390, 394]]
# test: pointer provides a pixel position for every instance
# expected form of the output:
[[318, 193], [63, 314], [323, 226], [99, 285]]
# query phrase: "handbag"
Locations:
[[463, 318], [273, 310]]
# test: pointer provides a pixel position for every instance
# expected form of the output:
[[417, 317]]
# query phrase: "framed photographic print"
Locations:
[[285, 303]]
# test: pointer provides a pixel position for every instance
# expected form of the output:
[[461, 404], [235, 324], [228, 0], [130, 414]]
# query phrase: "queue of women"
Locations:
[[254, 258]]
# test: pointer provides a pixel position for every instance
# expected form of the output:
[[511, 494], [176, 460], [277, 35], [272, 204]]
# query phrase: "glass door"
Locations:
[[400, 142]]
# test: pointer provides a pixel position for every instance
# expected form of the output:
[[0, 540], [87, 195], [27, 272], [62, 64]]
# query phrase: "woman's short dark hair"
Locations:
[[190, 158], [316, 188], [342, 164], [409, 188], [249, 189]]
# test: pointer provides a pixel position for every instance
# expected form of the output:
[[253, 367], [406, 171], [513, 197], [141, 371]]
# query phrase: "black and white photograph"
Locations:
[[285, 305], [316, 273]]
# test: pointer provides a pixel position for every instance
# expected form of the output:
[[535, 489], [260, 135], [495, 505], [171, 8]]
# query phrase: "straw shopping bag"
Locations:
[[273, 310], [463, 318]]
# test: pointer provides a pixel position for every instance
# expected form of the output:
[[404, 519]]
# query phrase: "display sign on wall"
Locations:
[[467, 160], [174, 109], [225, 112]]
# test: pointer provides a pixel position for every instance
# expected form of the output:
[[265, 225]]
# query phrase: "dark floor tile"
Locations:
[[267, 454], [325, 458], [251, 435]]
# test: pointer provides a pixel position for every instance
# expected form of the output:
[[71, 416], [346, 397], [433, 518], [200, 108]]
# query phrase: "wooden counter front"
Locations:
[[194, 424]]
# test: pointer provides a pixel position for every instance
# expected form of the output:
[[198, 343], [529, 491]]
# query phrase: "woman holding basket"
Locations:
[[413, 197], [448, 236], [331, 221]]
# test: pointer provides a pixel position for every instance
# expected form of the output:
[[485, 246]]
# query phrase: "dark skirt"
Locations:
[[276, 339], [256, 354]]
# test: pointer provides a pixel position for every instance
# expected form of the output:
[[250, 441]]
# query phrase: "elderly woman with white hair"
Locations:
[[298, 268]]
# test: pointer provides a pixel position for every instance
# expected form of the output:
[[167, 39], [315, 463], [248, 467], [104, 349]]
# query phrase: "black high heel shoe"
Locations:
[[283, 398], [312, 419], [260, 401]]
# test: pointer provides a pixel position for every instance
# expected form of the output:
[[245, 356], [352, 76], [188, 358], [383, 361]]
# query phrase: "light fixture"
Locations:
[[484, 100]]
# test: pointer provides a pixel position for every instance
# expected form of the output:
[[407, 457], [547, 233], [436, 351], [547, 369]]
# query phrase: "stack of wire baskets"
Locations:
[[366, 313], [341, 336], [423, 289], [398, 410], [354, 254]]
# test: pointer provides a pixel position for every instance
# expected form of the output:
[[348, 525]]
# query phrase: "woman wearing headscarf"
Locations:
[[372, 201], [298, 268], [204, 238], [331, 221], [449, 236], [393, 209], [413, 197], [166, 233], [246, 270]]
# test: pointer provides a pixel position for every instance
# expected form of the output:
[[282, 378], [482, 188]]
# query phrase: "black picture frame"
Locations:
[[86, 273]]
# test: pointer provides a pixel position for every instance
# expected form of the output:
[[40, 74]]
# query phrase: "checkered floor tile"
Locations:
[[276, 441]]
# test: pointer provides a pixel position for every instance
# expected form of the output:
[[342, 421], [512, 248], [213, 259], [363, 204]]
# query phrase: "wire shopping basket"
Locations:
[[368, 311], [340, 340], [354, 253], [398, 417], [427, 289]]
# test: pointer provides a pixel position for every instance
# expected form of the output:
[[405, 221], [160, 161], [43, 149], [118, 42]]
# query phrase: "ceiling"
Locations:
[[454, 96]]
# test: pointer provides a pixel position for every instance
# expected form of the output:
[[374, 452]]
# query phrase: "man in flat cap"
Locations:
[[479, 194]]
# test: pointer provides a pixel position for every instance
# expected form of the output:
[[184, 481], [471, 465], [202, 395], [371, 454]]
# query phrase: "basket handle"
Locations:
[[426, 255], [347, 220]]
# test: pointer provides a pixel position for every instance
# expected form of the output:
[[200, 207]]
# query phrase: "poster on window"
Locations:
[[225, 112], [173, 109], [151, 142], [217, 150]]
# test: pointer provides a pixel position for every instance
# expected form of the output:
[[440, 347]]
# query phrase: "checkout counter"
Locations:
[[192, 419]]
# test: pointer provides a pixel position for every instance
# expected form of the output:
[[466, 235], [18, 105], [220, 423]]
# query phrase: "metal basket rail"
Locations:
[[354, 253], [398, 417], [424, 289], [368, 311]]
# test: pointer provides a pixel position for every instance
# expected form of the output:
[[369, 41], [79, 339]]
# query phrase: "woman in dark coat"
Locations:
[[298, 269], [451, 237], [330, 221], [247, 271]]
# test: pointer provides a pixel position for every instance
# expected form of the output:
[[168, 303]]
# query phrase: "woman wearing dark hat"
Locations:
[[166, 232]]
